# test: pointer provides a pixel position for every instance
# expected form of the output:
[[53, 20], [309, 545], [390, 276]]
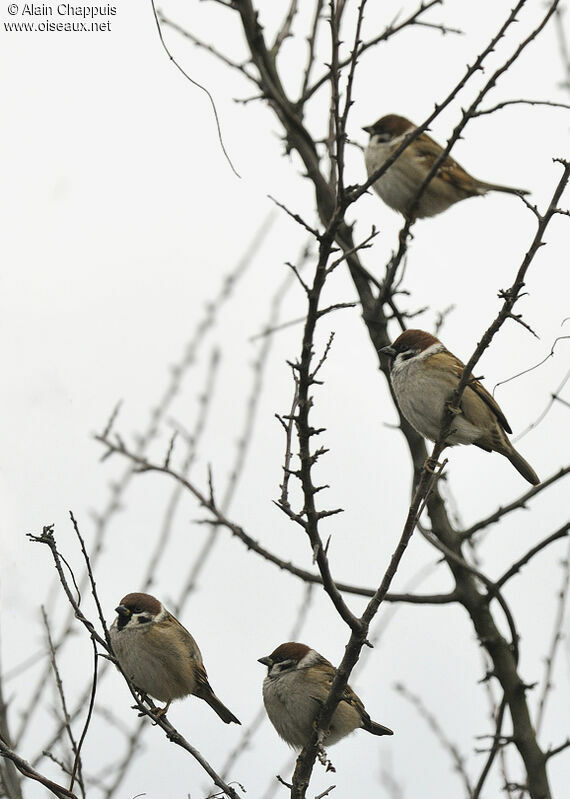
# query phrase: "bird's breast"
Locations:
[[157, 664], [422, 395]]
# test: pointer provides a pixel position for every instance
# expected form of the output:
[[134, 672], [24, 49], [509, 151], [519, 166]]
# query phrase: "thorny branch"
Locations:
[[118, 447]]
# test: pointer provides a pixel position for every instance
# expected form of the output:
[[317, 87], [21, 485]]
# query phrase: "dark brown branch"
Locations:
[[563, 532], [284, 31], [311, 40], [306, 759], [557, 749], [389, 31], [305, 380], [521, 502], [253, 545], [482, 111], [495, 748], [30, 773]]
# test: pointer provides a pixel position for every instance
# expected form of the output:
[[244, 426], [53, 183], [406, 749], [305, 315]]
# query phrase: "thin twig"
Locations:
[[198, 85], [556, 639], [458, 759], [521, 502], [77, 768], [30, 773]]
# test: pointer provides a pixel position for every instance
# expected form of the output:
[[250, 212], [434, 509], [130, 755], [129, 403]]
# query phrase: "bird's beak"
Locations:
[[389, 351], [123, 612], [266, 661], [368, 129]]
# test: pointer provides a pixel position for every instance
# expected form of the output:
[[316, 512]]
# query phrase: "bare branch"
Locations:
[[30, 773], [219, 518], [391, 30], [66, 719], [521, 502], [563, 532], [495, 748], [284, 31], [482, 111], [311, 40], [163, 20]]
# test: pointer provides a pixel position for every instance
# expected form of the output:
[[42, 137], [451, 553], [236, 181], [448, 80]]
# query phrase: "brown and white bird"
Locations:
[[424, 375], [399, 185], [159, 655], [297, 684]]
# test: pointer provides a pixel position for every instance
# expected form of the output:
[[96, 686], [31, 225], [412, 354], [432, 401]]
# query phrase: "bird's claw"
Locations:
[[432, 465]]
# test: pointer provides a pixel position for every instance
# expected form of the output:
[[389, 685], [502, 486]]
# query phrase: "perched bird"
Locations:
[[424, 376], [399, 185], [297, 684], [159, 655]]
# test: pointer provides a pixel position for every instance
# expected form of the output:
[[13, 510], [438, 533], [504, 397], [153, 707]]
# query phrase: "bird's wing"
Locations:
[[190, 644], [445, 361], [449, 171], [348, 694]]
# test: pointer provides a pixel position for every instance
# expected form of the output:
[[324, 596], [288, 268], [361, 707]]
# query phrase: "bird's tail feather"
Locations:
[[522, 466], [219, 707], [375, 728], [505, 189]]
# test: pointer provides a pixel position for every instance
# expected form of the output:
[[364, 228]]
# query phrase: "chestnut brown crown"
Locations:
[[389, 127], [411, 340], [141, 603], [291, 650]]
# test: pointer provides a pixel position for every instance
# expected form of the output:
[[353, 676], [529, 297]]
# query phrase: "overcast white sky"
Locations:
[[120, 219]]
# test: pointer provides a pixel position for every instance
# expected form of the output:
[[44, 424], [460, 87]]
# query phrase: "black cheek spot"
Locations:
[[143, 619]]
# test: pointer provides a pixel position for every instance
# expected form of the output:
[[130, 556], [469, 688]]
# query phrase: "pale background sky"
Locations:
[[120, 220]]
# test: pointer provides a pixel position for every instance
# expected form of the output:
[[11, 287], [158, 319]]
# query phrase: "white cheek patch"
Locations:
[[280, 668], [431, 350], [309, 659], [405, 359]]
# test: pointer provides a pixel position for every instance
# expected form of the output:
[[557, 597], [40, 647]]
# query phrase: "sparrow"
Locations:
[[297, 684], [424, 375], [159, 655], [399, 185]]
